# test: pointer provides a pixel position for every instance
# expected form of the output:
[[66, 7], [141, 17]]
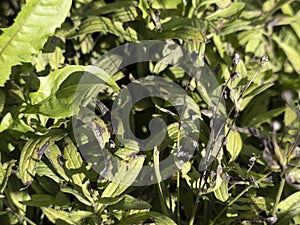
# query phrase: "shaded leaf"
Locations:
[[39, 200]]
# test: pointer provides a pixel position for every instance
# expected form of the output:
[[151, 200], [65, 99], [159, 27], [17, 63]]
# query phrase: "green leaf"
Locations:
[[126, 14], [39, 200], [52, 54], [125, 176], [266, 117], [128, 202], [14, 196], [218, 44], [73, 217], [251, 92], [222, 192], [34, 24], [17, 124], [50, 84], [30, 156], [54, 155], [233, 8], [288, 10], [32, 152], [78, 195], [289, 203], [289, 208], [2, 99], [57, 214], [58, 105], [139, 218], [76, 167], [72, 86], [166, 4], [77, 216], [235, 26], [105, 25], [5, 174], [74, 163], [43, 169], [113, 7], [234, 144], [218, 181], [291, 53], [290, 116], [277, 6]]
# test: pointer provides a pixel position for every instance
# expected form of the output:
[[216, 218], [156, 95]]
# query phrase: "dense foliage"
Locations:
[[253, 49]]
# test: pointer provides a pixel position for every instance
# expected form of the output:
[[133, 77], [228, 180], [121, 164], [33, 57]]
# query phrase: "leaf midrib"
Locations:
[[16, 33]]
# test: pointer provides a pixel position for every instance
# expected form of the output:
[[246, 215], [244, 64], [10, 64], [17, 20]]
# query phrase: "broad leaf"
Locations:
[[128, 202], [232, 9], [234, 144], [33, 25], [40, 200], [76, 167], [291, 53], [125, 176], [32, 153], [154, 217]]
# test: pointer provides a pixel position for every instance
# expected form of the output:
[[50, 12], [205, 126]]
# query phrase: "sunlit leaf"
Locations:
[[154, 217], [234, 144], [34, 24], [232, 9], [32, 154], [291, 53], [125, 177]]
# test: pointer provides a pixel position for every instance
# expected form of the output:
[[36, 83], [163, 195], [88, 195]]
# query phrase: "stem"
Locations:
[[278, 196], [178, 197], [195, 209], [22, 217], [158, 176], [178, 178], [28, 220], [235, 117], [236, 198]]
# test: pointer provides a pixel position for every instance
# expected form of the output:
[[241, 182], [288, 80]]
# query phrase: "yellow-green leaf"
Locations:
[[234, 144], [34, 24]]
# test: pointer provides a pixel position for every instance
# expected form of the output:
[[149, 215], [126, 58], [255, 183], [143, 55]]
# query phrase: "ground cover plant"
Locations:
[[252, 49]]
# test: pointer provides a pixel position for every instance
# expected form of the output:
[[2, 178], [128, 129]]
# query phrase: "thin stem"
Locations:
[[178, 198], [229, 114], [278, 196], [28, 220], [178, 178], [195, 209], [23, 217], [159, 179], [236, 198], [296, 139]]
